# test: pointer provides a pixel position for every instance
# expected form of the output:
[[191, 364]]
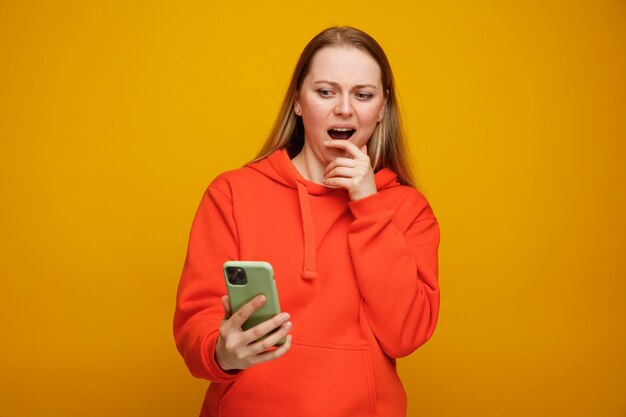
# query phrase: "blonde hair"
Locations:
[[386, 147]]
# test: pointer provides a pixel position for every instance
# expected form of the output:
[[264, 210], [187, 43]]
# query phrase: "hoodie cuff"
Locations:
[[218, 374], [366, 206]]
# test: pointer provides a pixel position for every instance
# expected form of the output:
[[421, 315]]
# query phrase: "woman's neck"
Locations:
[[309, 166]]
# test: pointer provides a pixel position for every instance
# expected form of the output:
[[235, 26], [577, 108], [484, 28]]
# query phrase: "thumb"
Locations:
[[364, 149], [226, 306]]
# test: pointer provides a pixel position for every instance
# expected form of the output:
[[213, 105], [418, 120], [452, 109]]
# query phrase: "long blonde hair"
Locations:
[[386, 147]]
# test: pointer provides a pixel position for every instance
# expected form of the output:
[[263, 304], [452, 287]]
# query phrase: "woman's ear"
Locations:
[[382, 110], [297, 107]]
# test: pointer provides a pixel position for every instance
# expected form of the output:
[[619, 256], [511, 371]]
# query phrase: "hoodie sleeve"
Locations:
[[396, 271], [212, 241]]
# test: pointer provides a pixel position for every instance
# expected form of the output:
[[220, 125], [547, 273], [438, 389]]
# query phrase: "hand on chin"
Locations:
[[337, 152]]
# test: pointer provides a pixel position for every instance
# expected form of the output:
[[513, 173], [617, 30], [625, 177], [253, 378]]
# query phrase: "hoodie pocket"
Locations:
[[309, 380]]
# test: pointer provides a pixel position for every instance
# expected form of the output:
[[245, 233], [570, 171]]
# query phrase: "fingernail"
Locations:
[[261, 298], [284, 317], [288, 325]]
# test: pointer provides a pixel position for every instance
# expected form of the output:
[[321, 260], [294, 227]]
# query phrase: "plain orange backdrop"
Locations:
[[115, 115]]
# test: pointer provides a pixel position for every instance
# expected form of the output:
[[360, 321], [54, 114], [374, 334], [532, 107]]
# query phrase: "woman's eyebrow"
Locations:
[[336, 84]]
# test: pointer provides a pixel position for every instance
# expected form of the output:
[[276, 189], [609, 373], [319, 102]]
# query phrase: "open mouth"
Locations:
[[341, 133]]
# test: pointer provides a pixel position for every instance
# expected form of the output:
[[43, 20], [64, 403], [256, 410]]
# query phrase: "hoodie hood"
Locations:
[[278, 167]]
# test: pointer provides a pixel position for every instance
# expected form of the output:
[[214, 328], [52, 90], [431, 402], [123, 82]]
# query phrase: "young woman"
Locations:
[[330, 203]]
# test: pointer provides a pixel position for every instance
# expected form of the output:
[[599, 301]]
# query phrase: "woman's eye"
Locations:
[[324, 92], [364, 96]]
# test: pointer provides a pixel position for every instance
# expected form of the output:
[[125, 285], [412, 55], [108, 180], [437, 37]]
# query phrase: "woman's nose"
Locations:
[[344, 106]]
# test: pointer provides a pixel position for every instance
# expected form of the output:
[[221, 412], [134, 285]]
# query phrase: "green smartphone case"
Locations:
[[260, 280]]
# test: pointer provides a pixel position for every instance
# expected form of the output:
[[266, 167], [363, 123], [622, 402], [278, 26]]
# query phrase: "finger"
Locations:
[[264, 328], [226, 306], [270, 341], [279, 335], [347, 146], [273, 339], [338, 182], [250, 351], [274, 354], [345, 162], [341, 172], [246, 310]]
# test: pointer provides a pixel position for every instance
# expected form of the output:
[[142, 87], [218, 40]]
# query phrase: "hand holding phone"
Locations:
[[247, 336]]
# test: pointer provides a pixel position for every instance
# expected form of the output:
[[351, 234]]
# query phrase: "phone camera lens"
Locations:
[[236, 275]]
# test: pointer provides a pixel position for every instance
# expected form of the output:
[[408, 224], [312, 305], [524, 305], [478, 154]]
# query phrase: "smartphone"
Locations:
[[244, 281]]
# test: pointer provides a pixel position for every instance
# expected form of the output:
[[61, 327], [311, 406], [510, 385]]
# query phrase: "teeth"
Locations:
[[342, 129]]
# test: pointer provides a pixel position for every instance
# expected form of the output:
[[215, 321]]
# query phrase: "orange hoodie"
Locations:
[[359, 279]]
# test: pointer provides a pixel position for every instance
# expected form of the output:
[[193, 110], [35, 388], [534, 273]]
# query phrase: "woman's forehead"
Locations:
[[343, 64]]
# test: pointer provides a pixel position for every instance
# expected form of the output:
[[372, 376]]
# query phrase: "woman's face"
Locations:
[[342, 97]]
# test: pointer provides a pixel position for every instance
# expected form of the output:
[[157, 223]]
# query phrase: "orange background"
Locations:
[[115, 115]]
